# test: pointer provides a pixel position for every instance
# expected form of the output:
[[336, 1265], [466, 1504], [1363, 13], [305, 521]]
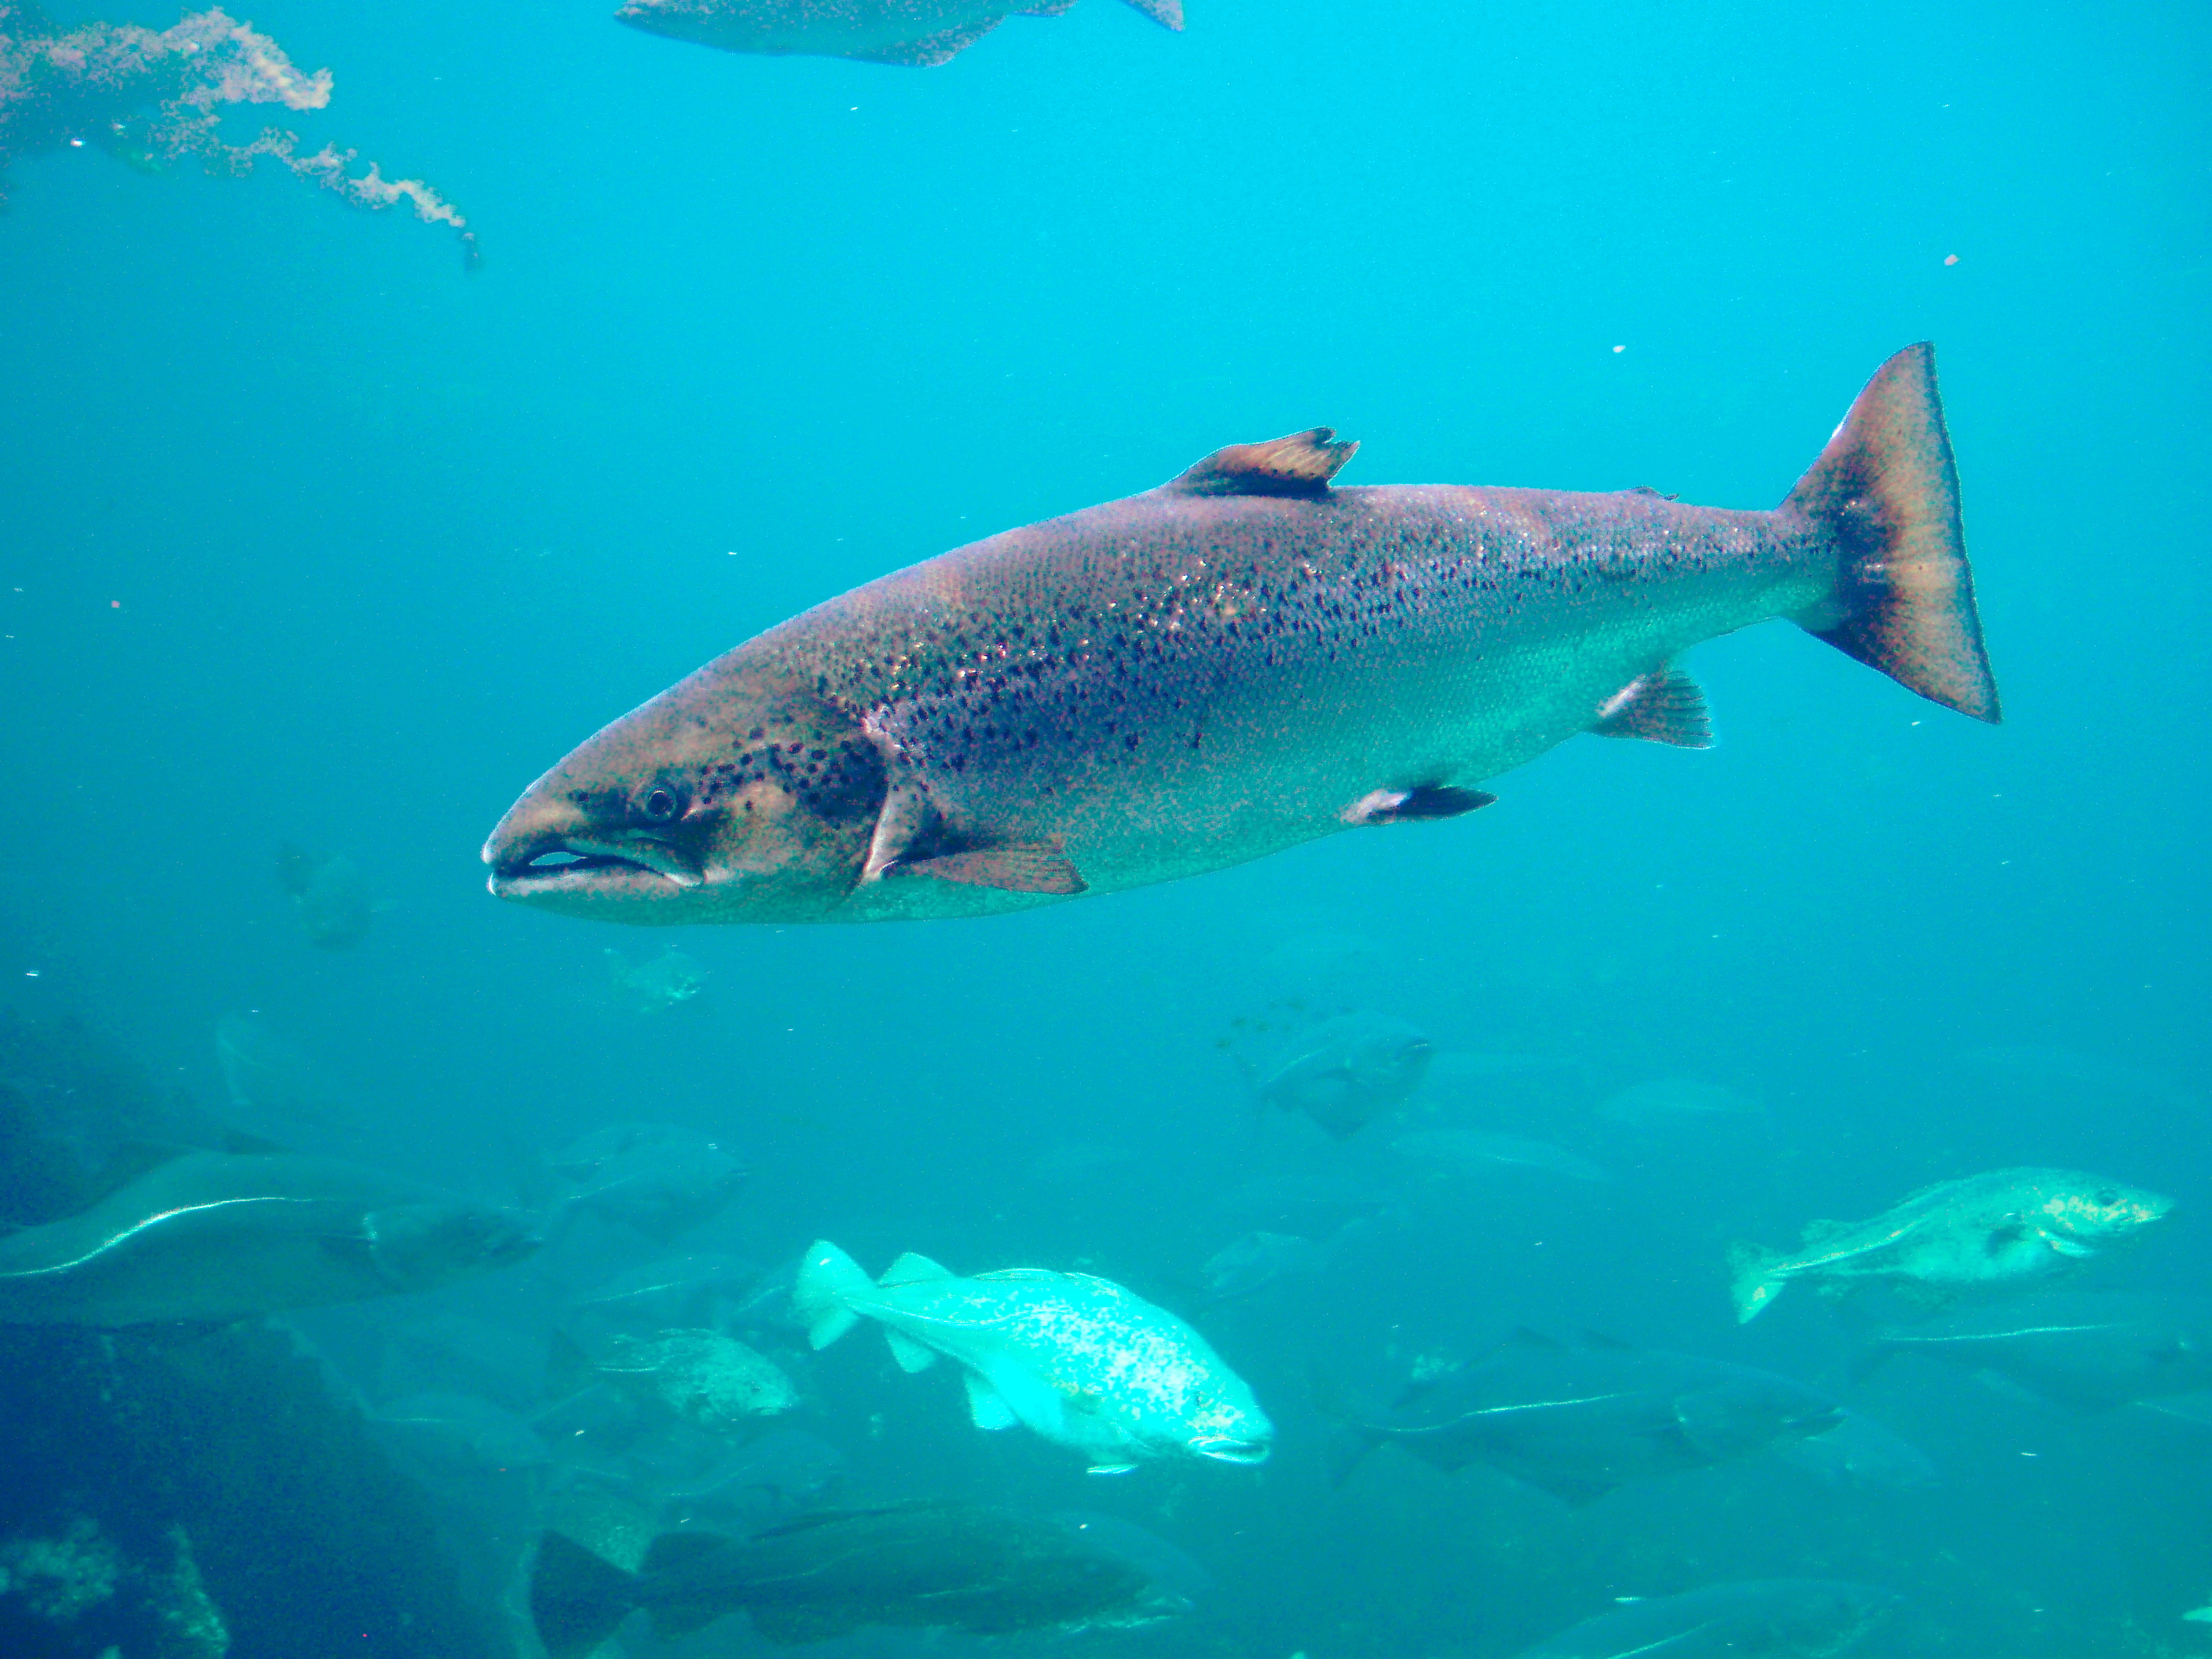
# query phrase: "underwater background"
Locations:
[[307, 537]]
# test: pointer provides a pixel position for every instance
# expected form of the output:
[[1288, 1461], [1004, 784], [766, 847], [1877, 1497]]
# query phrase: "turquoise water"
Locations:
[[307, 536]]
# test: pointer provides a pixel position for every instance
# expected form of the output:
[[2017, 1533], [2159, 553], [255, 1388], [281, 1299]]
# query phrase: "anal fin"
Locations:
[[1427, 800], [929, 51], [1017, 867], [1663, 706], [910, 1354]]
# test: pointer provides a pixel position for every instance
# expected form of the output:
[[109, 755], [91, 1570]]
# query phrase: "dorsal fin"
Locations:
[[1299, 464], [1663, 706], [912, 1269]]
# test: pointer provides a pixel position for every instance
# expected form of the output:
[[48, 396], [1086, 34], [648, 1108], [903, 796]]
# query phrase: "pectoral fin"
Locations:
[[2065, 1246], [1017, 867], [986, 1407]]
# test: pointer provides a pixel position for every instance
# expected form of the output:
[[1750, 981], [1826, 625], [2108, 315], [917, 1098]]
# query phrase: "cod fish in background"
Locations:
[[710, 1380], [2006, 1228], [1579, 1421], [2092, 1350], [216, 1236], [658, 1179], [1774, 1618], [329, 897], [918, 34], [1078, 1360], [930, 1564], [1241, 659], [1343, 1070]]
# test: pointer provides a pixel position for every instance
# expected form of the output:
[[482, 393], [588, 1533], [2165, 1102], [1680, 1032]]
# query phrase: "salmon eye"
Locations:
[[660, 805]]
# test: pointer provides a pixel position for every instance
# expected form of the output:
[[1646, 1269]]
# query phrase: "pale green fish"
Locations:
[[1079, 1360], [214, 1237], [710, 1380], [1241, 659], [2009, 1226]]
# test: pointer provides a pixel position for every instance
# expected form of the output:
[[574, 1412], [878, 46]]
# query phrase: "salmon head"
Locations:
[[740, 794]]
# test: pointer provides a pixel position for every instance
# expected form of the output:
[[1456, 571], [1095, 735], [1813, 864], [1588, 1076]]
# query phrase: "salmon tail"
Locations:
[[1886, 492], [826, 1280], [1349, 1440], [577, 1600], [1753, 1282]]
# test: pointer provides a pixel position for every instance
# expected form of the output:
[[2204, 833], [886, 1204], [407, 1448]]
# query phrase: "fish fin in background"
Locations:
[[930, 49], [1423, 801], [568, 1369], [1522, 1337], [1885, 492], [788, 1625], [1869, 1360], [910, 1354], [986, 1407], [1600, 1342], [669, 1554], [913, 1268], [1020, 867], [576, 1599], [1049, 8], [128, 1161], [826, 1279], [1573, 1492], [1749, 1284], [1299, 464], [1168, 14], [1665, 706]]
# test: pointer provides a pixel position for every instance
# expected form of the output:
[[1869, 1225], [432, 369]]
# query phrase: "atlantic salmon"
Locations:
[[1245, 659]]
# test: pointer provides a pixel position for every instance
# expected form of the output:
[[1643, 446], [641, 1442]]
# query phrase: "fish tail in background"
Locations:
[[1886, 492], [826, 1278], [1751, 1283], [1350, 1440], [667, 1556], [576, 1599]]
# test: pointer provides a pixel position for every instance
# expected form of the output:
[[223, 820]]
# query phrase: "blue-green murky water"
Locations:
[[306, 537]]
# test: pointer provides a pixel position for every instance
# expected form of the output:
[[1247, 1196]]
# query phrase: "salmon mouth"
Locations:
[[630, 865]]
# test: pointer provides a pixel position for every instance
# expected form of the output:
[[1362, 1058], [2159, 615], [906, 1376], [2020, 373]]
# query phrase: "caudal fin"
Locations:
[[1751, 1282], [576, 1599], [1886, 492], [828, 1278]]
